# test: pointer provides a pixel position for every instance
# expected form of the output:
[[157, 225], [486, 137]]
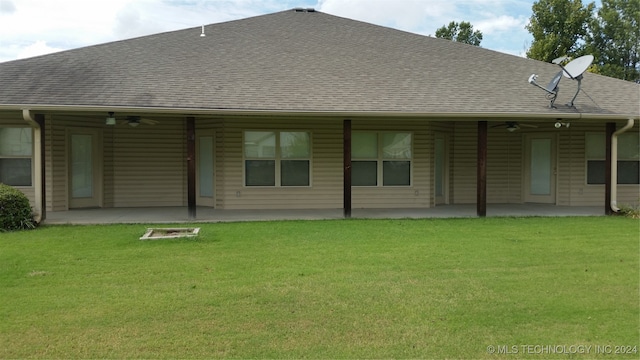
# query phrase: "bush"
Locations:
[[630, 211], [15, 210]]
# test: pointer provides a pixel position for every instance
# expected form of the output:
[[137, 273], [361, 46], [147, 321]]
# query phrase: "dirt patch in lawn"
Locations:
[[169, 233]]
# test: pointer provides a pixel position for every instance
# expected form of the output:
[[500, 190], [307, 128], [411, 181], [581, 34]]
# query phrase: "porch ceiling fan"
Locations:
[[133, 121], [512, 126]]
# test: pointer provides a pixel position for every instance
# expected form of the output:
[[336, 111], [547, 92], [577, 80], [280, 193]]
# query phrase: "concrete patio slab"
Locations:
[[173, 215]]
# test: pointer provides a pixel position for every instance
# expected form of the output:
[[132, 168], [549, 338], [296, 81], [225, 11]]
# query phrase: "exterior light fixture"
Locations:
[[110, 120]]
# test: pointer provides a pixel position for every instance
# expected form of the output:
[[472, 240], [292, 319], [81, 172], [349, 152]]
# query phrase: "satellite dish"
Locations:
[[573, 70], [559, 60], [551, 88], [577, 67]]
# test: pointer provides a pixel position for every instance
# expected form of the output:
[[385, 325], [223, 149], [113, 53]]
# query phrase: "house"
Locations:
[[305, 110]]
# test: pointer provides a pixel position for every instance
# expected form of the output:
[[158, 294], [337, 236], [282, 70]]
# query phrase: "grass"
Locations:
[[324, 289]]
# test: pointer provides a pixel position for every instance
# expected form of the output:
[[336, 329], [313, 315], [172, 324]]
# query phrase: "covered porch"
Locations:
[[155, 215]]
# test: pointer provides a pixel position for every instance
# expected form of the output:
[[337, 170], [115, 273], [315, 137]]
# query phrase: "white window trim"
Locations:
[[380, 160], [32, 157], [278, 160]]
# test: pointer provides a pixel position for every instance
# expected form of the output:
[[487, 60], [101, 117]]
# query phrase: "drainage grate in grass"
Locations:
[[169, 233]]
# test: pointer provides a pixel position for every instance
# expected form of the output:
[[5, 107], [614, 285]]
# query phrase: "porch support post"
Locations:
[[610, 129], [481, 192], [39, 118], [347, 167], [191, 167]]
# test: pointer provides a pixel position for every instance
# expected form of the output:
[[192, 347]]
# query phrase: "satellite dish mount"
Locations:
[[573, 70]]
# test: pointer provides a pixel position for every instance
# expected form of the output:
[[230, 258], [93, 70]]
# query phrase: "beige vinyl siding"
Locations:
[[444, 129], [29, 193], [146, 166], [572, 185], [229, 167], [505, 161], [143, 166], [56, 136], [149, 164], [326, 167], [108, 165], [572, 182], [218, 157], [504, 164], [48, 167], [569, 166], [326, 190], [420, 193], [464, 163]]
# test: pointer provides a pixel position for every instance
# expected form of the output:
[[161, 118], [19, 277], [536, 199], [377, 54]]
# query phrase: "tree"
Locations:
[[559, 28], [615, 39], [462, 32]]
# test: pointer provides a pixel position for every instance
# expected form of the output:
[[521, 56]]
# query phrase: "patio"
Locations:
[[205, 214]]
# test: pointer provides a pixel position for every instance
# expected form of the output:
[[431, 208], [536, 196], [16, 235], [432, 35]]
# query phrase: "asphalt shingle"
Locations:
[[303, 61]]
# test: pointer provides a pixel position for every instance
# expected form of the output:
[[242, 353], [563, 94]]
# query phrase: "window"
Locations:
[[628, 158], [277, 158], [381, 158], [16, 151]]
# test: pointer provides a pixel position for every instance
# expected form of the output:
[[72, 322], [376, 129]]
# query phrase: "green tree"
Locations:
[[559, 27], [462, 32], [615, 39]]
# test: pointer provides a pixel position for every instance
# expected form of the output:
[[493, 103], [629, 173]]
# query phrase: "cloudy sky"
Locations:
[[35, 27]]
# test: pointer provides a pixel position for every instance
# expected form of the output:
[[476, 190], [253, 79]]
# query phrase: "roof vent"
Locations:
[[309, 10]]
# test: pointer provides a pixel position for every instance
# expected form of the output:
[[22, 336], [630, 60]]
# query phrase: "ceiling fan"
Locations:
[[133, 121], [512, 126]]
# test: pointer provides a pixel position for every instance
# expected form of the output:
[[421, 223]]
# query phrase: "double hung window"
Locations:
[[16, 152], [628, 158], [277, 158], [381, 158]]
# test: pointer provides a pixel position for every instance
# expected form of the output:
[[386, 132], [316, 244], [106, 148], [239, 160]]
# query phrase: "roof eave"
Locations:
[[474, 116]]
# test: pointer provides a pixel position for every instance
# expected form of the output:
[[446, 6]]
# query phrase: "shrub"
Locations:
[[15, 210], [630, 211]]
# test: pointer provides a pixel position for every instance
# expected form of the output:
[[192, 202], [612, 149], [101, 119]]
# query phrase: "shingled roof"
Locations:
[[303, 61]]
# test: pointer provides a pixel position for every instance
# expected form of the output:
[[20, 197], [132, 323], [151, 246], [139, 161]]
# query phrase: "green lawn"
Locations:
[[440, 288]]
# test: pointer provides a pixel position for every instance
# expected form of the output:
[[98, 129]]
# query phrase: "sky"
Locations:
[[36, 27]]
